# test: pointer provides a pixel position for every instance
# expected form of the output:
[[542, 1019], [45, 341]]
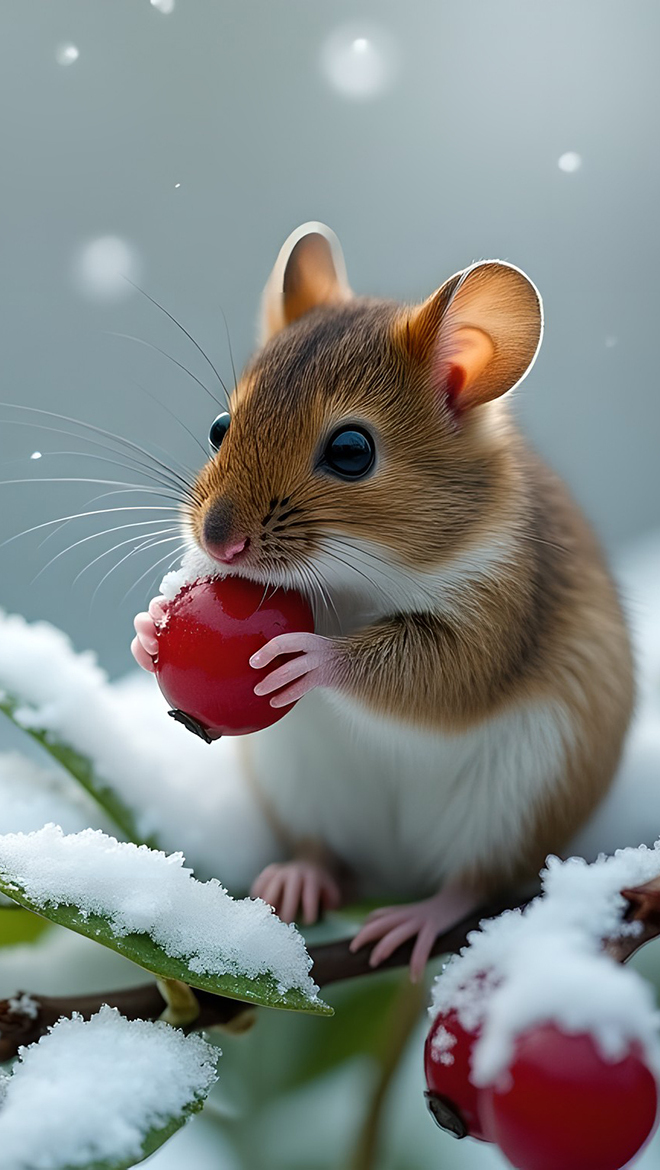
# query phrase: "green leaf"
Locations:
[[19, 926], [153, 1141], [141, 949], [82, 770]]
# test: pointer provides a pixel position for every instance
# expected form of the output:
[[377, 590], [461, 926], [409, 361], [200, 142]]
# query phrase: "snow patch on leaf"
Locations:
[[92, 1091], [143, 891]]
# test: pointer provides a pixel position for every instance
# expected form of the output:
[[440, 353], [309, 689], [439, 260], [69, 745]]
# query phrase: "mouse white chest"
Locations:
[[406, 808]]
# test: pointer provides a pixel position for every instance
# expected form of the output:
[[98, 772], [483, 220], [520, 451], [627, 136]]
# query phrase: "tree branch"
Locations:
[[333, 962]]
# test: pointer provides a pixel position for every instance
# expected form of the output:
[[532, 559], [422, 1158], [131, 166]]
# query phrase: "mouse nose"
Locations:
[[219, 536], [228, 552]]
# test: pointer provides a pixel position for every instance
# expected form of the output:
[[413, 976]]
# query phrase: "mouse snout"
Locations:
[[219, 535], [226, 553]]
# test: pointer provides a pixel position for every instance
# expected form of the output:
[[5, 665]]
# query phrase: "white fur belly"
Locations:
[[403, 808]]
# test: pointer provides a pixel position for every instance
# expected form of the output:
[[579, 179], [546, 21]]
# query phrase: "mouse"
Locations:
[[464, 698]]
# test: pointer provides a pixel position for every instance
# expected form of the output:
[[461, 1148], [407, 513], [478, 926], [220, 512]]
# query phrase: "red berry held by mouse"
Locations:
[[452, 1099], [561, 1104], [211, 629]]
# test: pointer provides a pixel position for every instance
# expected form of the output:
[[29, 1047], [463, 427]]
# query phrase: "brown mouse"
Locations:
[[469, 685]]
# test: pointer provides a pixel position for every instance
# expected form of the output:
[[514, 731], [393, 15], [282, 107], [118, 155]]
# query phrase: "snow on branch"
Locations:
[[107, 1090], [148, 906], [595, 903]]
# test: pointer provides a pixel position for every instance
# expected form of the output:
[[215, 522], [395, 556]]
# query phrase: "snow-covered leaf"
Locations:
[[147, 906], [18, 925], [102, 1094], [152, 1142]]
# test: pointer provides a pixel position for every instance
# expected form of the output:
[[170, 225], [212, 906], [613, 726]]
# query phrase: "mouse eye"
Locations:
[[350, 453], [219, 428]]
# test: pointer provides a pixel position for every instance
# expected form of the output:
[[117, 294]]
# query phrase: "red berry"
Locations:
[[204, 646], [452, 1099], [562, 1106]]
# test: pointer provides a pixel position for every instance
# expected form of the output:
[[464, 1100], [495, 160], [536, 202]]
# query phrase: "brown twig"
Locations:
[[643, 908], [332, 962]]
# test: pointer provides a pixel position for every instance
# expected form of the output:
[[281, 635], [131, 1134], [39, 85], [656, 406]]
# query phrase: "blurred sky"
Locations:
[[182, 142]]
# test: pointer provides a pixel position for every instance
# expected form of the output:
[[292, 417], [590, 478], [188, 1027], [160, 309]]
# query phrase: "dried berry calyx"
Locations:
[[452, 1098]]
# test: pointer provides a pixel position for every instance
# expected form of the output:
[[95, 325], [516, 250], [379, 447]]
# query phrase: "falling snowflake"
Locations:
[[569, 162], [359, 63], [104, 267], [66, 54]]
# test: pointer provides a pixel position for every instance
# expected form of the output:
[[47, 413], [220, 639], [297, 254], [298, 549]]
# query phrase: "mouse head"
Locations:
[[365, 443]]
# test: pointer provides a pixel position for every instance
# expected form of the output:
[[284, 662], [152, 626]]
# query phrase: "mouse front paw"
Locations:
[[292, 886], [144, 646], [316, 665]]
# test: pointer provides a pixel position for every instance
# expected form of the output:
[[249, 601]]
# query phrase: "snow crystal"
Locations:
[[570, 162], [546, 963], [24, 1005], [67, 54], [141, 890], [441, 1045], [92, 1090], [31, 796], [194, 564]]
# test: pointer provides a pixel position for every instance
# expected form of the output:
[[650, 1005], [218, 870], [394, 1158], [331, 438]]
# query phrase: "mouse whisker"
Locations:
[[135, 537], [144, 547], [190, 337], [97, 536], [104, 496], [231, 355], [173, 479], [170, 358], [119, 483], [163, 406], [364, 560], [353, 568], [94, 512], [326, 595], [153, 567], [124, 442], [174, 491]]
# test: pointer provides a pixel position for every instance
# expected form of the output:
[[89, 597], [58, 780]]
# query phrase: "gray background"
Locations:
[[455, 159]]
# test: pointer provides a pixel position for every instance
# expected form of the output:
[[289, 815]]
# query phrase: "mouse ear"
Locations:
[[480, 333], [309, 272]]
